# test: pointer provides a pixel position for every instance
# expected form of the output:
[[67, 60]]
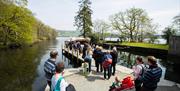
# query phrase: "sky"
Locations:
[[59, 14]]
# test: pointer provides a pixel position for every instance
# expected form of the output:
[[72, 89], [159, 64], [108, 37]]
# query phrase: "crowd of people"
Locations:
[[146, 77]]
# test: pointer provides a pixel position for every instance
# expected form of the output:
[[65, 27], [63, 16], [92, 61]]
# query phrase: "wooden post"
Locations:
[[72, 53], [62, 53], [77, 56]]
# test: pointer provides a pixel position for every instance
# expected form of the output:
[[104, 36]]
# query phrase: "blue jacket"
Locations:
[[107, 56]]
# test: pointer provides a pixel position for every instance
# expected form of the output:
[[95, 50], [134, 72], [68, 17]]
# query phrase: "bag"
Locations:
[[106, 63], [127, 83], [70, 87]]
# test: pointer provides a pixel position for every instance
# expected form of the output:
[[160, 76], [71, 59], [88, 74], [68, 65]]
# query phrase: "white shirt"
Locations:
[[138, 70], [54, 80]]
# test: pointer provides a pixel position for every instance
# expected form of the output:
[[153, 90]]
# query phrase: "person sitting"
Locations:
[[151, 76], [58, 82]]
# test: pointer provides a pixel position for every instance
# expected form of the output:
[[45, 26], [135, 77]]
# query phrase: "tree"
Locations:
[[83, 20], [167, 33], [133, 22], [176, 23], [19, 26], [101, 27]]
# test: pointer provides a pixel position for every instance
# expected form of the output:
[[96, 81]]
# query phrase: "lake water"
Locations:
[[22, 69]]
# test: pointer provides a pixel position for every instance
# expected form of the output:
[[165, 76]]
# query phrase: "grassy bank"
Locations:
[[144, 45]]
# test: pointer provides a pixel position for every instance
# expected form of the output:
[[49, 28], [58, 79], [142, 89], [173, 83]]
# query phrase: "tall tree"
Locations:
[[83, 20], [133, 22], [168, 31]]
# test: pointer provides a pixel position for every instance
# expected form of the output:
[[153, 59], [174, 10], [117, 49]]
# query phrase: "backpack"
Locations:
[[57, 87], [70, 87], [107, 62]]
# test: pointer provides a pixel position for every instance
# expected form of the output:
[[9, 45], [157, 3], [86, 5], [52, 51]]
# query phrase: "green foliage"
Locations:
[[94, 38], [18, 25], [145, 45], [83, 19], [167, 33]]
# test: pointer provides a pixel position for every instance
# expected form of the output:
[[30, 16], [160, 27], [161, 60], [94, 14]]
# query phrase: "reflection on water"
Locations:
[[169, 66], [22, 69]]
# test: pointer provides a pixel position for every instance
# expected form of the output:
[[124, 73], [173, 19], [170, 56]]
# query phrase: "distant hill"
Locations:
[[64, 33]]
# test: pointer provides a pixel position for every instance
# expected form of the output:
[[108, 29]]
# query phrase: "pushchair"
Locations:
[[126, 84]]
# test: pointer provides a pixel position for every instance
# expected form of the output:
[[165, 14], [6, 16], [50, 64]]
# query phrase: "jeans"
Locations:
[[89, 70], [113, 67], [138, 84], [108, 69], [97, 65], [49, 83]]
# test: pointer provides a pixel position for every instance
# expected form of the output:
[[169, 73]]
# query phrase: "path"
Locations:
[[94, 81]]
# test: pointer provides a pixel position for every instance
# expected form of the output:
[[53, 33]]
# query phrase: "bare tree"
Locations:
[[100, 26]]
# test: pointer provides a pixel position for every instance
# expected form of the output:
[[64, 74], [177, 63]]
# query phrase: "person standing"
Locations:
[[98, 57], [49, 66], [138, 72], [88, 58], [152, 75], [114, 55], [107, 64]]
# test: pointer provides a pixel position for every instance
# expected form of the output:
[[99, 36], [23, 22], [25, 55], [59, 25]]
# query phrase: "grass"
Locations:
[[145, 45]]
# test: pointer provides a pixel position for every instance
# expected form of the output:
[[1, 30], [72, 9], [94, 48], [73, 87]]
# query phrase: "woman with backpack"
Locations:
[[107, 64], [138, 72]]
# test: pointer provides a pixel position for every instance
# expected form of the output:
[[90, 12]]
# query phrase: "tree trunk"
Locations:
[[84, 31], [131, 36]]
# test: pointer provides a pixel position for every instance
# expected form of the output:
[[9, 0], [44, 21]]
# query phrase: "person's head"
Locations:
[[99, 48], [114, 49], [139, 60], [53, 54], [60, 67], [108, 52], [89, 48], [152, 60]]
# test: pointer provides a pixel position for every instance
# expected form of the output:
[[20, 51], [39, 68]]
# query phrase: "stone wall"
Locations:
[[174, 45]]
